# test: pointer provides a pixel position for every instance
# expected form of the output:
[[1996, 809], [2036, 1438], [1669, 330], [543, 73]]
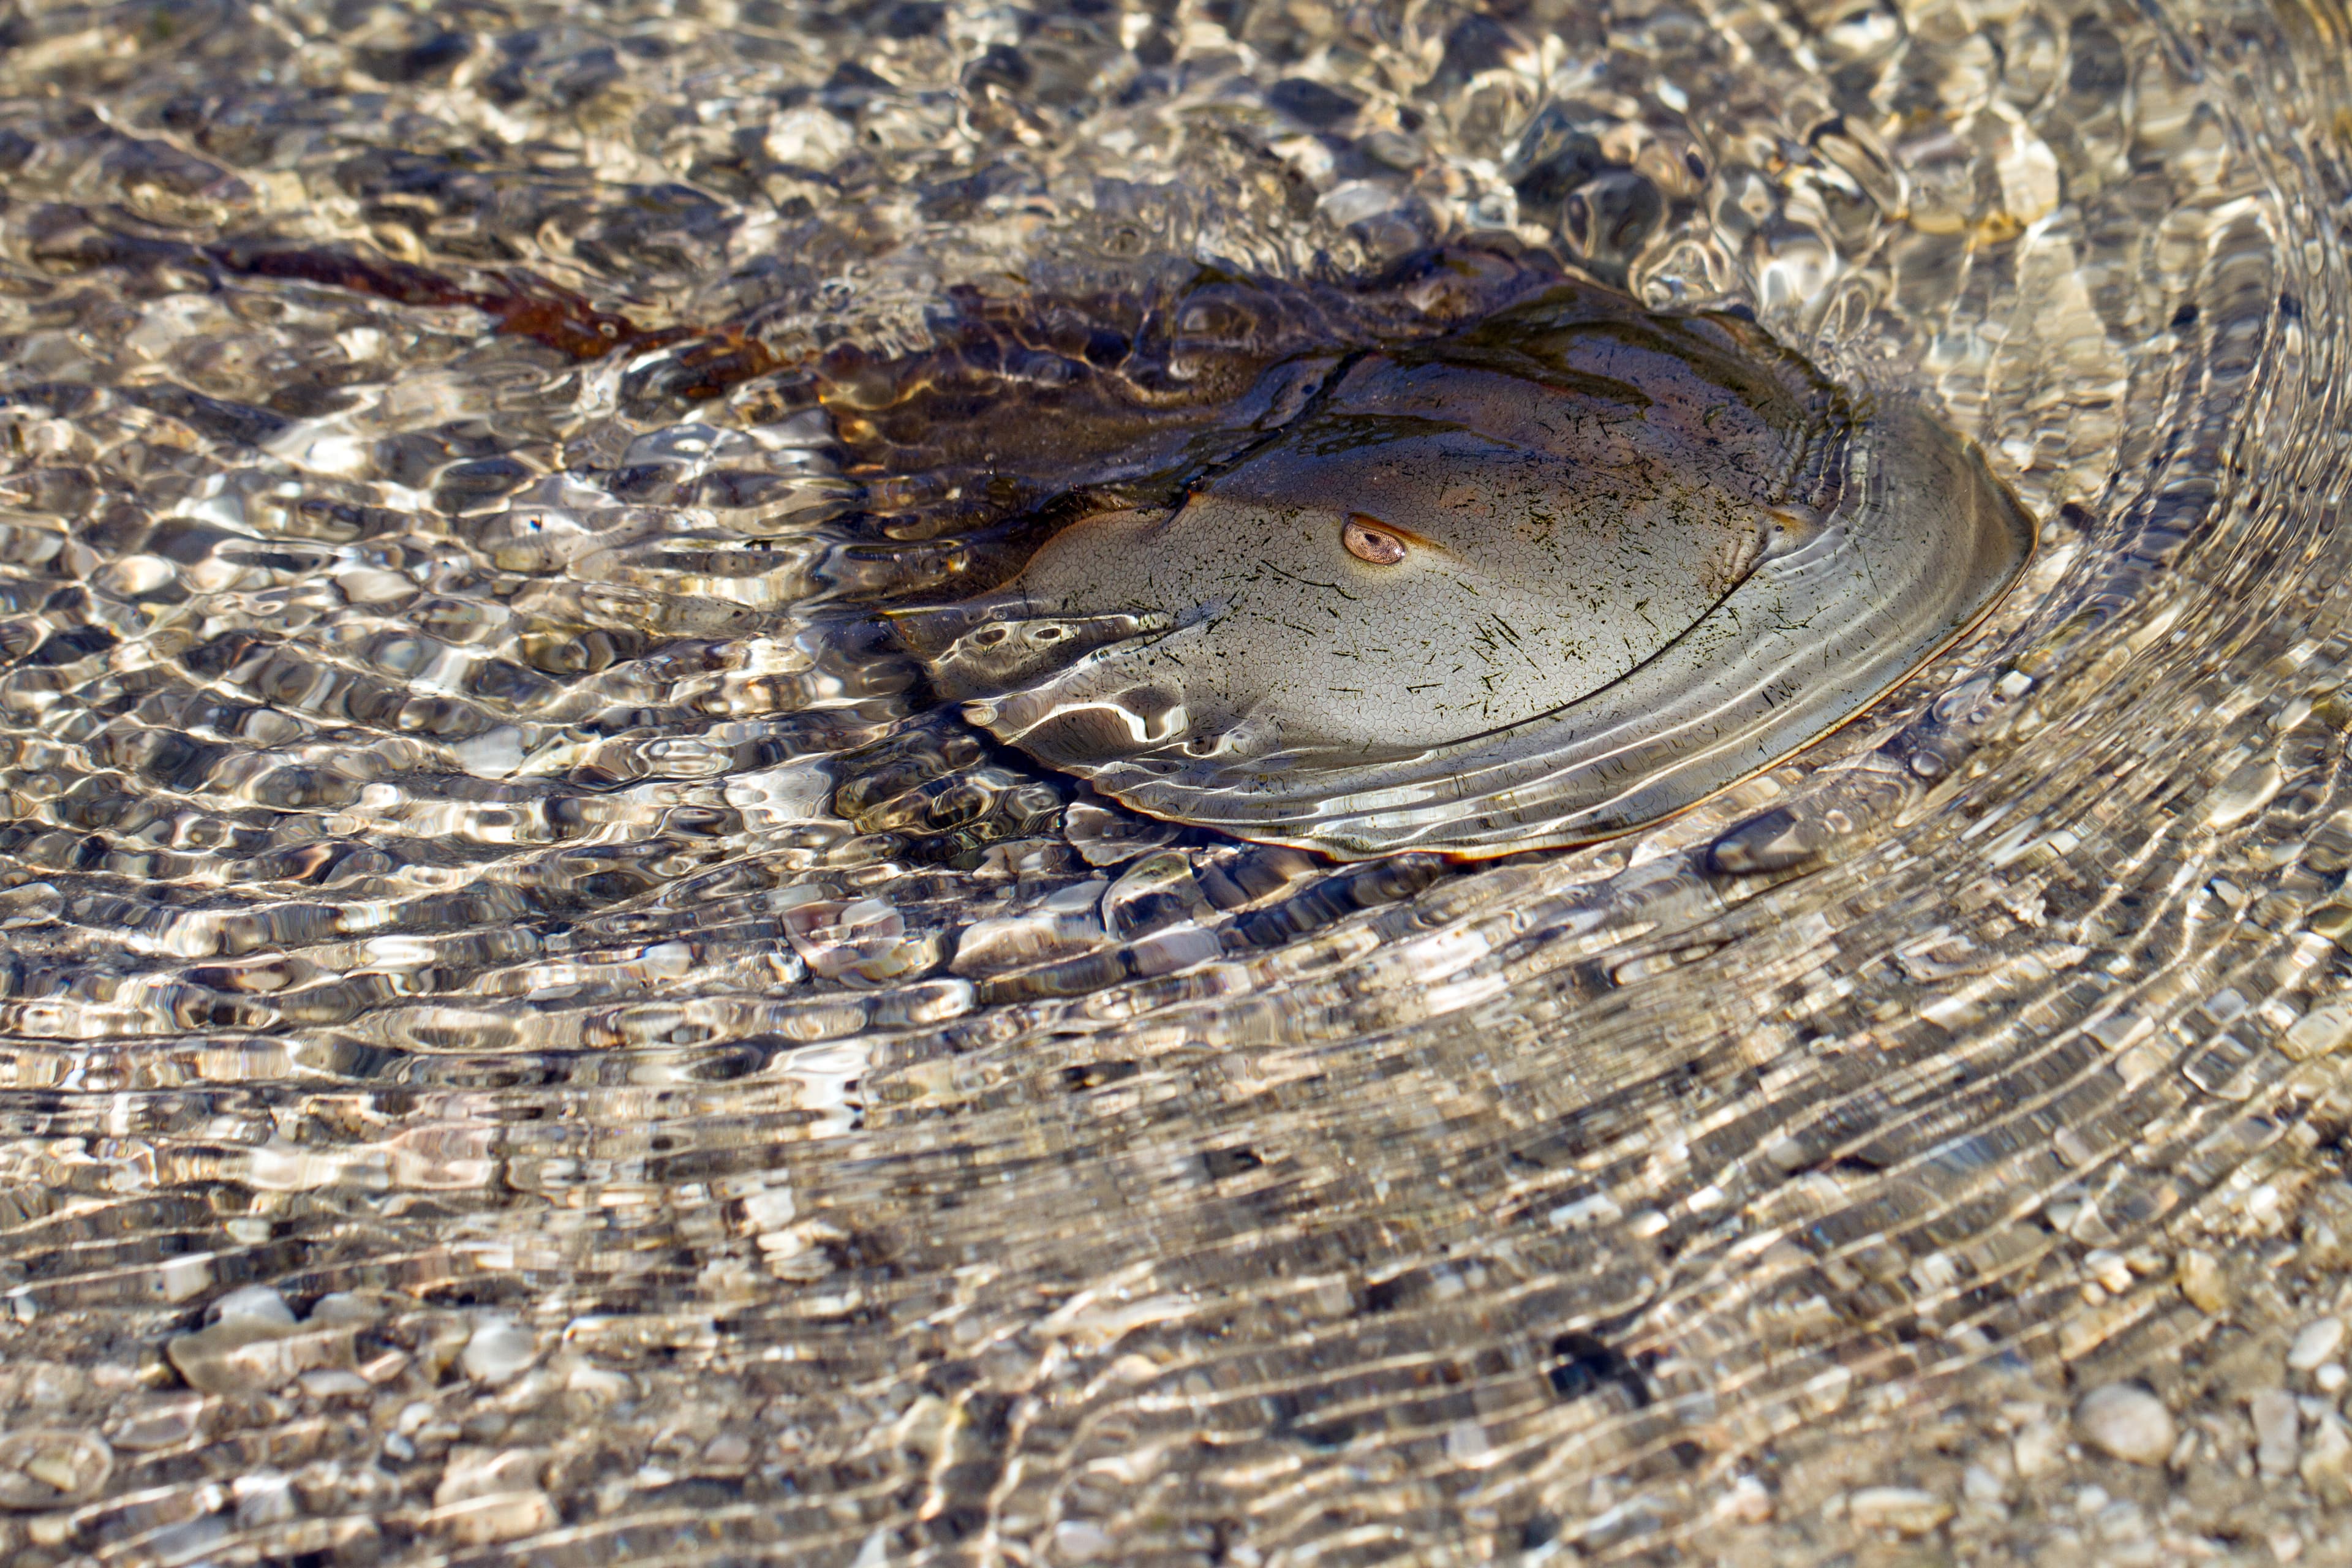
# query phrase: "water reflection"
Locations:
[[526, 1034]]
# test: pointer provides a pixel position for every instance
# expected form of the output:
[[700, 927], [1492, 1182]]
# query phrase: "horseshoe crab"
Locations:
[[1559, 575]]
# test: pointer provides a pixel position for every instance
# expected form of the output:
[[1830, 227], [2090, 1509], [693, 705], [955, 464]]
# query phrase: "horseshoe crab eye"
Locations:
[[1367, 542]]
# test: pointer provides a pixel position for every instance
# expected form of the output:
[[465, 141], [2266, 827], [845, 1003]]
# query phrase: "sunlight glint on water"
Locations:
[[526, 1034]]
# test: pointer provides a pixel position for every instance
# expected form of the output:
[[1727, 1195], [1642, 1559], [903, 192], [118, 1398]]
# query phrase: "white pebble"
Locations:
[[254, 1303], [2329, 1376], [2037, 1448], [1082, 1540], [2278, 1438], [331, 1382], [500, 1348], [2109, 1270], [2317, 1341], [1746, 1501], [1978, 1484], [2127, 1421]]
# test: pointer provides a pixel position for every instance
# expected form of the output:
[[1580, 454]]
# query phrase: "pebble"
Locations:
[[2127, 1421], [2327, 1465], [2120, 1520], [249, 1354], [1747, 1502], [498, 1348], [2277, 1421], [49, 1470], [344, 1307], [166, 1424], [253, 1304], [2329, 1377], [728, 1450], [2037, 1448], [2315, 1342], [263, 1498], [1081, 1541], [503, 1516], [331, 1382], [486, 1472], [1906, 1510], [2200, 1278], [1978, 1484], [2109, 1270]]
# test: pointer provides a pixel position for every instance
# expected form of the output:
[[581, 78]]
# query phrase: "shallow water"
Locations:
[[473, 871]]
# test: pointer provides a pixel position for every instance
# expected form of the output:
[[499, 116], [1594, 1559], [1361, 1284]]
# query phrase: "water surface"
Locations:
[[474, 871]]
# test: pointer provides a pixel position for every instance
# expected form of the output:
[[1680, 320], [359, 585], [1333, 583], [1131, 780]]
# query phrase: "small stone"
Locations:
[[2278, 1444], [2315, 1342], [2109, 1268], [484, 1472], [1906, 1510], [2329, 1377], [2327, 1465], [254, 1353], [50, 1528], [59, 1468], [728, 1451], [1746, 1502], [2037, 1448], [165, 1424], [501, 1515], [1978, 1484], [50, 1470], [2201, 1282], [600, 1384], [2120, 1520], [254, 1303], [330, 1383], [498, 1348], [2125, 1420], [1081, 1541], [344, 1307], [263, 1498]]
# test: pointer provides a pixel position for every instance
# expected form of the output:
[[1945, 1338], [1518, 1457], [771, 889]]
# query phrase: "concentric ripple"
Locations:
[[527, 1034]]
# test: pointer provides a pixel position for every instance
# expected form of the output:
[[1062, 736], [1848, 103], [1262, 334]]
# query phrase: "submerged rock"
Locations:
[[2125, 1421], [45, 1469], [1906, 1510]]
